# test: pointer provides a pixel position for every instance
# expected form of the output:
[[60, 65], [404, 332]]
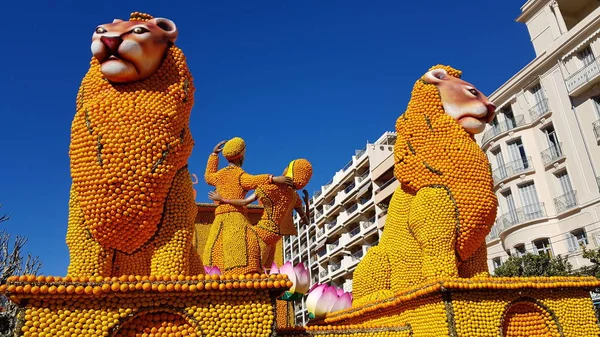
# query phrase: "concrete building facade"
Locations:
[[347, 216], [543, 144]]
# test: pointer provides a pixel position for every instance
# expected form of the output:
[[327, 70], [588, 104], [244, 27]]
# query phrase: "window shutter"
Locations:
[[572, 244]]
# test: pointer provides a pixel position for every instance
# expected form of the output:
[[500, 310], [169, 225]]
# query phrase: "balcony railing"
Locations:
[[566, 201], [318, 193], [352, 209], [493, 234], [356, 256], [520, 215], [540, 109], [363, 176], [503, 127], [318, 214], [333, 245], [387, 183], [331, 224], [335, 266], [596, 126], [323, 273], [320, 233], [354, 232], [583, 76], [347, 166], [552, 154], [360, 152], [349, 188], [368, 223], [512, 169]]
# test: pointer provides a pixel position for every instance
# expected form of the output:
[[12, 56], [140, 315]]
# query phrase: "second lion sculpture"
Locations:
[[445, 205]]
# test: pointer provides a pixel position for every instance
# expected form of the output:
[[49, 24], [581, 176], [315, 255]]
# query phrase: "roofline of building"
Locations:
[[529, 8], [549, 57]]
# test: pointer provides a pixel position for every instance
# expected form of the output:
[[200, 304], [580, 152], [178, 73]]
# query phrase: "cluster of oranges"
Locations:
[[127, 143], [360, 330], [442, 211], [205, 305], [129, 148], [480, 307]]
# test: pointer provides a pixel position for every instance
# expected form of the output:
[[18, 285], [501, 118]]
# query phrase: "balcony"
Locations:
[[350, 187], [354, 232], [333, 246], [583, 78], [552, 154], [367, 224], [539, 110], [512, 169], [363, 176], [520, 216], [333, 267], [360, 153], [317, 194], [566, 202], [386, 184], [356, 256], [331, 224], [494, 234], [352, 209], [320, 233], [502, 128], [323, 273], [596, 126]]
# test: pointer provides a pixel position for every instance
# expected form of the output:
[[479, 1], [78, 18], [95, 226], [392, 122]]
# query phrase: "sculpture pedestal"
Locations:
[[539, 306], [158, 306]]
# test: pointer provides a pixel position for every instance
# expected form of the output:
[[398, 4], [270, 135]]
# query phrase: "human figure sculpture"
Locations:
[[131, 208], [279, 202], [445, 205], [232, 244]]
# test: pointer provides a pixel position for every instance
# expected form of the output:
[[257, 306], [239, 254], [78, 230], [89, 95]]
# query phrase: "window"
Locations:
[[586, 55], [509, 117], [576, 239], [532, 209], [542, 246], [551, 136], [520, 250], [494, 123], [510, 205], [499, 161], [564, 182], [537, 93], [497, 261], [516, 150]]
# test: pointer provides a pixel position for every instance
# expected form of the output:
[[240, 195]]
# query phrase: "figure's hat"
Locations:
[[300, 170], [234, 148]]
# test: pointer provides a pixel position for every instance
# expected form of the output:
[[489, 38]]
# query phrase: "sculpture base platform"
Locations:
[[136, 306], [540, 306]]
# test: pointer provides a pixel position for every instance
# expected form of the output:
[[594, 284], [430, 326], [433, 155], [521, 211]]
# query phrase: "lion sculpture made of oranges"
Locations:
[[132, 208], [445, 205]]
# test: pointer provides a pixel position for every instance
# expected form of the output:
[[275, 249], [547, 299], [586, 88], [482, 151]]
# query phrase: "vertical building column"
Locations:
[[558, 16]]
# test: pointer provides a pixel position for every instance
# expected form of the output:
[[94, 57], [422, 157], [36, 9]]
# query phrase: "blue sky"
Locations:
[[312, 79]]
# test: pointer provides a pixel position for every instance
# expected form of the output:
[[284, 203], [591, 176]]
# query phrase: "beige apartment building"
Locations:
[[347, 216], [544, 143]]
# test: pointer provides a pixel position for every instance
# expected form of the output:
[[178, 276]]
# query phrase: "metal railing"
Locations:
[[354, 232], [320, 233], [318, 193], [333, 245], [386, 184], [323, 273], [582, 76], [357, 255], [520, 215], [334, 266], [360, 152], [349, 188], [512, 169], [363, 176], [552, 154], [596, 126], [566, 201], [368, 223], [347, 166], [331, 224], [352, 209], [503, 127], [318, 213], [539, 109], [493, 234]]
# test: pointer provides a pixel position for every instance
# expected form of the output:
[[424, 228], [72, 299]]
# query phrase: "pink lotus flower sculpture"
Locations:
[[299, 277], [212, 270], [323, 299]]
